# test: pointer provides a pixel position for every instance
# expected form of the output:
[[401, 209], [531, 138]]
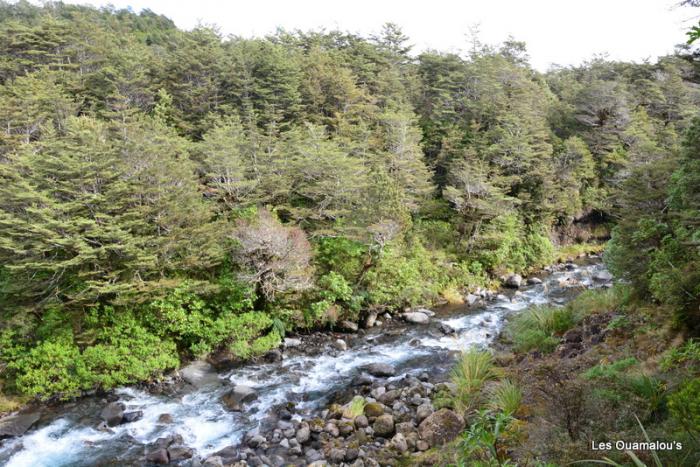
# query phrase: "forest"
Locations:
[[166, 194]]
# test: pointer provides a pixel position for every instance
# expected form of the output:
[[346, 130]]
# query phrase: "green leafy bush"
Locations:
[[684, 405], [51, 367], [121, 352], [340, 255], [507, 245], [406, 276], [195, 324], [245, 334]]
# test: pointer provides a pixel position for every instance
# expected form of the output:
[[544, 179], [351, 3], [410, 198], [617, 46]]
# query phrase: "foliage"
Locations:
[[538, 328], [474, 369], [276, 258], [124, 353], [405, 276], [483, 439], [506, 397], [610, 370], [199, 192], [684, 405], [686, 354]]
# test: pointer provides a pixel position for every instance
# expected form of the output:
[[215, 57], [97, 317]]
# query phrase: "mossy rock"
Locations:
[[374, 409]]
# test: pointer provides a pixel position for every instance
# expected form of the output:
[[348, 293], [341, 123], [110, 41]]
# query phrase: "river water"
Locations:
[[68, 436]]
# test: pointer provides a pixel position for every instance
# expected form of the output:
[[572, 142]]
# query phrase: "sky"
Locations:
[[563, 32]]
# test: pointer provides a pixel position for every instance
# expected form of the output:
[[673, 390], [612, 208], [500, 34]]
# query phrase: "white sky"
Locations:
[[564, 32]]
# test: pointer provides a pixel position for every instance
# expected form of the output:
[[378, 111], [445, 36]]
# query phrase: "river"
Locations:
[[67, 436]]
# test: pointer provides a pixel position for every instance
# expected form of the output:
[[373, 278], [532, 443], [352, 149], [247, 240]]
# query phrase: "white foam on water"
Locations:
[[207, 426], [55, 445]]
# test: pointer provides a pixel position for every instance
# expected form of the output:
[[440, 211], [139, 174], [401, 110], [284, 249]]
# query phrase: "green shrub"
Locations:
[[618, 322], [340, 255], [508, 245], [650, 389], [51, 367], [610, 370], [437, 234], [128, 353], [480, 443], [684, 405], [245, 334], [195, 324], [687, 354], [537, 248], [500, 246], [261, 344], [406, 275], [121, 352]]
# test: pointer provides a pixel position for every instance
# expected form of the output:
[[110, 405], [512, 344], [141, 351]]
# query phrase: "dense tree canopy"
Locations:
[[199, 191]]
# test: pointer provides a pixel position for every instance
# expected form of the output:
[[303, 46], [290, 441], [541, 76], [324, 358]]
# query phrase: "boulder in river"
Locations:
[[441, 427], [239, 395], [471, 299], [165, 419], [157, 456], [213, 461], [534, 280], [113, 413], [425, 311], [416, 317], [130, 417], [290, 343], [513, 281], [446, 329], [199, 374], [603, 276], [273, 355], [363, 379], [348, 326], [341, 345], [381, 369], [179, 453], [17, 425]]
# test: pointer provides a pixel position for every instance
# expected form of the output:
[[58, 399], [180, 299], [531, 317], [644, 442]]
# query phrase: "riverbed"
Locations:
[[302, 381]]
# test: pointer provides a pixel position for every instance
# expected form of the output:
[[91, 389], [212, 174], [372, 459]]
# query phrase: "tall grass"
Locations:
[[474, 369], [595, 301], [536, 328], [506, 397]]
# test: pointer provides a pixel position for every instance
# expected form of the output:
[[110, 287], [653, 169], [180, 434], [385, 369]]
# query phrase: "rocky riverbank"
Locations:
[[363, 396]]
